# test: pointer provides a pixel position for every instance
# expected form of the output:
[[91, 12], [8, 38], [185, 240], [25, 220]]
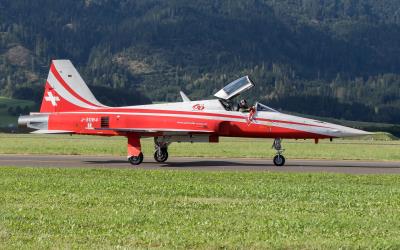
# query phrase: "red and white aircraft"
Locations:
[[69, 107]]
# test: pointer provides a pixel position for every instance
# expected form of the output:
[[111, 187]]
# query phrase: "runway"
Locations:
[[200, 164]]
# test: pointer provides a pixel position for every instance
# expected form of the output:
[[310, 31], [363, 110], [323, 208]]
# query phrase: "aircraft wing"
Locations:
[[157, 130], [44, 131]]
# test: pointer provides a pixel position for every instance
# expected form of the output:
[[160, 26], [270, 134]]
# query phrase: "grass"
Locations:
[[93, 208], [227, 148], [6, 119]]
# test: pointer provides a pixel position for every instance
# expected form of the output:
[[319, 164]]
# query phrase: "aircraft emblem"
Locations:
[[198, 107], [51, 98]]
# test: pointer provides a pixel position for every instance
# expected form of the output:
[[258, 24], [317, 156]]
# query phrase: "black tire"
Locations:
[[136, 160], [279, 160], [161, 157]]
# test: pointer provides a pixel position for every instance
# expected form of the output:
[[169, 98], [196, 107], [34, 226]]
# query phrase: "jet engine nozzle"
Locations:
[[23, 120], [33, 121]]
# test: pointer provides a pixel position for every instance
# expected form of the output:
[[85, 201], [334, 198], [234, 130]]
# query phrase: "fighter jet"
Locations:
[[69, 107]]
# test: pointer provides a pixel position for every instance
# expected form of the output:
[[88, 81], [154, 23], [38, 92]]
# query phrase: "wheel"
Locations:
[[136, 160], [279, 160], [161, 156]]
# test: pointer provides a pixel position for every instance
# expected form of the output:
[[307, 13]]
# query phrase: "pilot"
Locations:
[[243, 106]]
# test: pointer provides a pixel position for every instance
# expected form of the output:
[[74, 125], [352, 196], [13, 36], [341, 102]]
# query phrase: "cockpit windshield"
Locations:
[[262, 107]]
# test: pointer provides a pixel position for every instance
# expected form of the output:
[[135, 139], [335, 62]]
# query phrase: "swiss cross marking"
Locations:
[[51, 98]]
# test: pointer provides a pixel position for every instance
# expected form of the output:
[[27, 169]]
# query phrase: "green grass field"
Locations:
[[227, 148], [93, 208], [117, 208]]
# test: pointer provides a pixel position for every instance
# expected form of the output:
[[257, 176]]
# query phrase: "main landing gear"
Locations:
[[161, 150], [279, 160], [136, 160], [135, 155]]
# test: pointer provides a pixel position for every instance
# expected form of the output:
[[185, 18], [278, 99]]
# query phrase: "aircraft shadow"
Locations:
[[106, 162], [196, 164]]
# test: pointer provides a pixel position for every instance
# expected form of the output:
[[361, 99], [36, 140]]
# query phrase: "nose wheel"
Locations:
[[279, 159]]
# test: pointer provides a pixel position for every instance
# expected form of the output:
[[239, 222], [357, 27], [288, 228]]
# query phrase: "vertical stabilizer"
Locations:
[[65, 90]]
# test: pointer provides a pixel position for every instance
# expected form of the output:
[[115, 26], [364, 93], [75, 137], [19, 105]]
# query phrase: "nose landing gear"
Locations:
[[279, 159]]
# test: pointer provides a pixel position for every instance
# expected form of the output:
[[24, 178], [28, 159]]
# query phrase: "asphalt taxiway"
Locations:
[[64, 161]]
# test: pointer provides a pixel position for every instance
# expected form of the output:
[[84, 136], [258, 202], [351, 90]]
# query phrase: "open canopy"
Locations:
[[235, 88]]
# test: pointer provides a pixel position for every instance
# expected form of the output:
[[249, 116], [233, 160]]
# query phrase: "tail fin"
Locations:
[[66, 91]]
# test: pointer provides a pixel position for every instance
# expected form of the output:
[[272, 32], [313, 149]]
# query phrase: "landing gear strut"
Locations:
[[135, 155], [161, 150], [279, 160]]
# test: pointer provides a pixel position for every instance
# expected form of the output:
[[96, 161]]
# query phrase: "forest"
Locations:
[[333, 58]]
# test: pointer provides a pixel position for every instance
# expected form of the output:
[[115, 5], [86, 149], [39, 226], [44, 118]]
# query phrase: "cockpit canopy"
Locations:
[[234, 88], [227, 93]]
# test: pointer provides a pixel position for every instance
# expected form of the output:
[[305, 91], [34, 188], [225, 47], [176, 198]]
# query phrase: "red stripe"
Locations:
[[67, 87]]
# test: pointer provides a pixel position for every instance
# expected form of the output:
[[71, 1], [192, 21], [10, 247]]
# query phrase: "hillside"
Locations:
[[326, 58]]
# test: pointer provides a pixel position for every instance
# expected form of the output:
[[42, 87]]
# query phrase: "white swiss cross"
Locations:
[[51, 98]]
